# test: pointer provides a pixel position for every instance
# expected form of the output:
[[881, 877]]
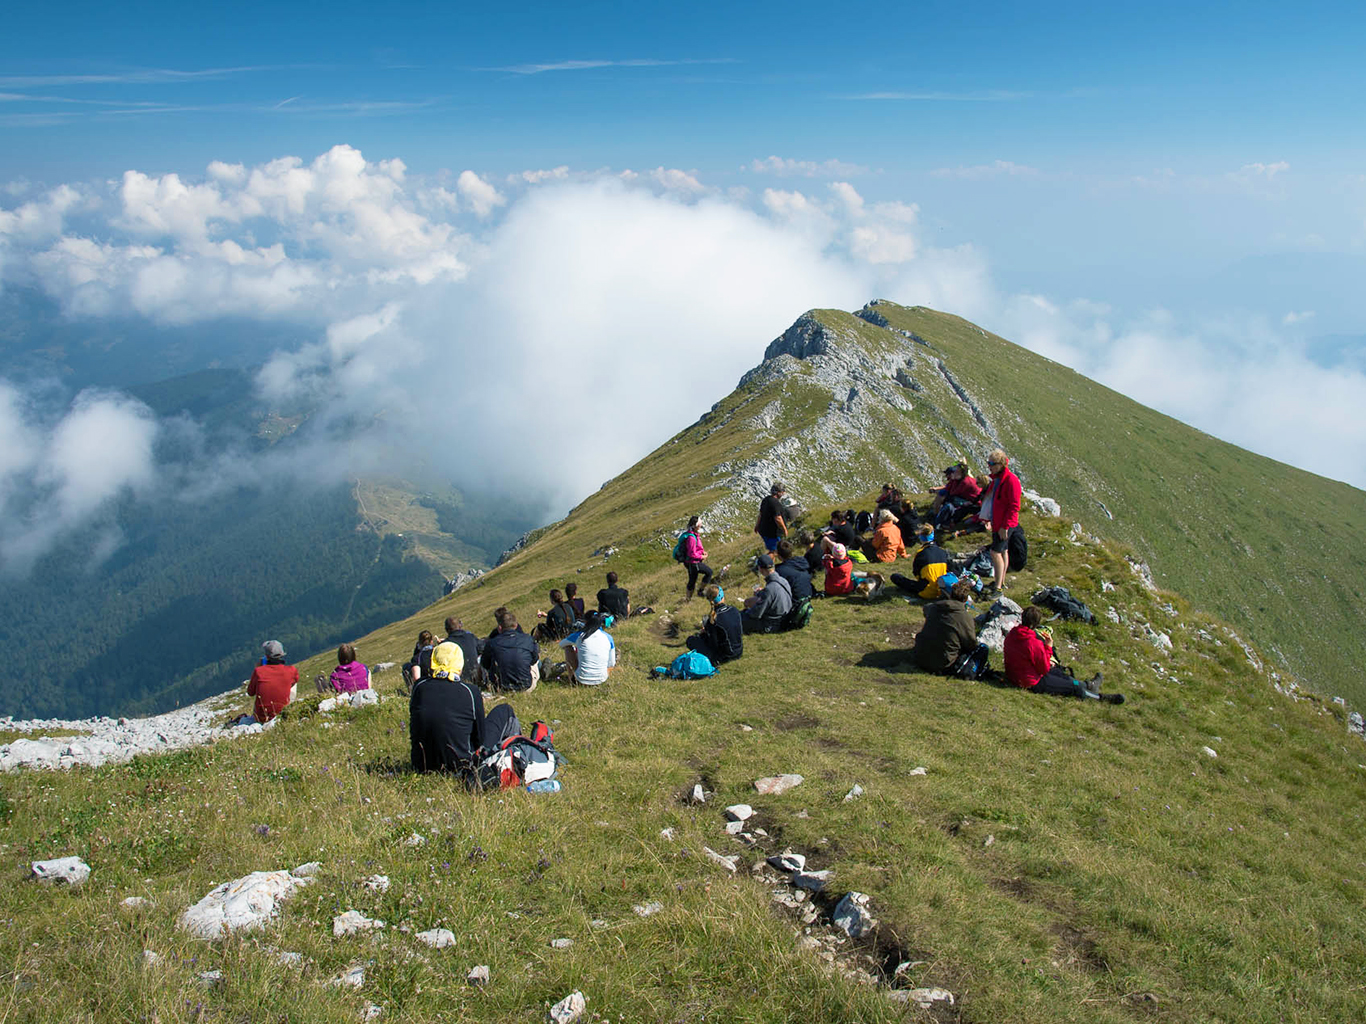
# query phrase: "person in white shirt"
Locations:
[[592, 654]]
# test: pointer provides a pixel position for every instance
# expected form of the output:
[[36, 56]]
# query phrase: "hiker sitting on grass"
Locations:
[[416, 666], [349, 675], [591, 654], [792, 567], [559, 621], [766, 611], [722, 637], [614, 600], [511, 659], [811, 544], [841, 530], [930, 566], [571, 594], [447, 726], [468, 643], [1029, 663], [694, 556], [886, 544], [949, 632], [272, 682]]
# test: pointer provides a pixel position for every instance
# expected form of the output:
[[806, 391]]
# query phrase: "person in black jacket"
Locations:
[[511, 658], [814, 553], [559, 621], [793, 568], [614, 600], [468, 643], [842, 530], [447, 725], [722, 637]]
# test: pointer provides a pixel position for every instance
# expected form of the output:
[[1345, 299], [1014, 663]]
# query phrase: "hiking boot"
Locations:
[[1093, 684], [1112, 698]]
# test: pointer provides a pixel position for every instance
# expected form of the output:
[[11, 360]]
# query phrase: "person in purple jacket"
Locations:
[[349, 675], [694, 557]]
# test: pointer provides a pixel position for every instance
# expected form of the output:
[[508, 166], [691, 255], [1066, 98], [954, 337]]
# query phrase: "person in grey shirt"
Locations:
[[766, 610]]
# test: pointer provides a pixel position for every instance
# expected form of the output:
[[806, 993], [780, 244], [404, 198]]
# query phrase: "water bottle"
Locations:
[[543, 786]]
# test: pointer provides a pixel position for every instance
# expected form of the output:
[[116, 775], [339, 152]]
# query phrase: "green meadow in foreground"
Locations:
[[1057, 861]]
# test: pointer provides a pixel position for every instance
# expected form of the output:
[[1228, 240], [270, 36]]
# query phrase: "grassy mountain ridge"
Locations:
[[1056, 861]]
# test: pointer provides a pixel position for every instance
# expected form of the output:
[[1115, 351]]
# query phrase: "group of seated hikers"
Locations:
[[449, 676]]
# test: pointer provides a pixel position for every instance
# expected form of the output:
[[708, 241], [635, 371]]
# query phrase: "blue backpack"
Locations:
[[689, 665]]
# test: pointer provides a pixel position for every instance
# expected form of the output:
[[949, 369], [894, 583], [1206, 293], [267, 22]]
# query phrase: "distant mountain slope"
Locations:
[[844, 402], [180, 608]]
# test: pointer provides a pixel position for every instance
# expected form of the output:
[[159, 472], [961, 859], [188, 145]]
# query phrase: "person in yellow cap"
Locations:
[[446, 721]]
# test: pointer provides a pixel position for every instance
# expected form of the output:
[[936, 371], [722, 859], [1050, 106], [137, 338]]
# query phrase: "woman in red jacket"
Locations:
[[1029, 663], [1003, 498]]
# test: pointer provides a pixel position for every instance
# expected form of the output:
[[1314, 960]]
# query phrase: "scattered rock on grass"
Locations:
[[728, 863], [812, 881], [377, 883], [352, 977], [925, 998], [788, 861], [698, 795], [437, 938], [1356, 724], [478, 975], [244, 904], [568, 1009], [854, 793], [921, 770], [1209, 751], [354, 921], [852, 917], [739, 812], [667, 834], [773, 785], [561, 943], [371, 1011], [134, 903], [67, 870], [416, 839], [646, 909]]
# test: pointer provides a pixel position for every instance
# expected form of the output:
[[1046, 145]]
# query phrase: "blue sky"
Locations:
[[1169, 197]]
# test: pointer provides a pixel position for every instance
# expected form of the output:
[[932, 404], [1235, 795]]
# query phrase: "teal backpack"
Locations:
[[688, 665]]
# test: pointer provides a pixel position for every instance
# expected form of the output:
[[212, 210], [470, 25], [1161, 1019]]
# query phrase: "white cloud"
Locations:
[[539, 176], [980, 172], [1292, 318], [65, 474], [674, 180], [482, 196], [1267, 171], [1225, 375], [785, 168]]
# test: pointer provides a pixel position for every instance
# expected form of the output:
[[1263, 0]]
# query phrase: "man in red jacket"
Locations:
[[272, 682], [1004, 497]]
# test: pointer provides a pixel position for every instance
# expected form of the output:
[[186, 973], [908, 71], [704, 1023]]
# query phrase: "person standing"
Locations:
[[771, 526], [694, 556], [1004, 496]]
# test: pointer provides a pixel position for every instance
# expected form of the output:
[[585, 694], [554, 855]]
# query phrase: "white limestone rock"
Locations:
[[377, 883], [561, 943], [1043, 506], [67, 870], [352, 977], [728, 863], [437, 938], [788, 862], [568, 1009], [478, 976], [134, 903], [1209, 752], [354, 921], [739, 812], [647, 909], [774, 785], [854, 793], [244, 904]]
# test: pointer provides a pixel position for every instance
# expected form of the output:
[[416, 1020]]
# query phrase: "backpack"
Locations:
[[690, 665], [681, 548], [800, 615], [863, 522], [519, 761], [971, 664], [1060, 600], [1017, 549]]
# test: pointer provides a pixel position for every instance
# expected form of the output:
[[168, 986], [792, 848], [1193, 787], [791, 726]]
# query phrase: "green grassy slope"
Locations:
[[1057, 862]]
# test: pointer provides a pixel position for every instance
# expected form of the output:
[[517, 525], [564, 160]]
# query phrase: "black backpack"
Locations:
[[1060, 600], [863, 522], [1017, 549]]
